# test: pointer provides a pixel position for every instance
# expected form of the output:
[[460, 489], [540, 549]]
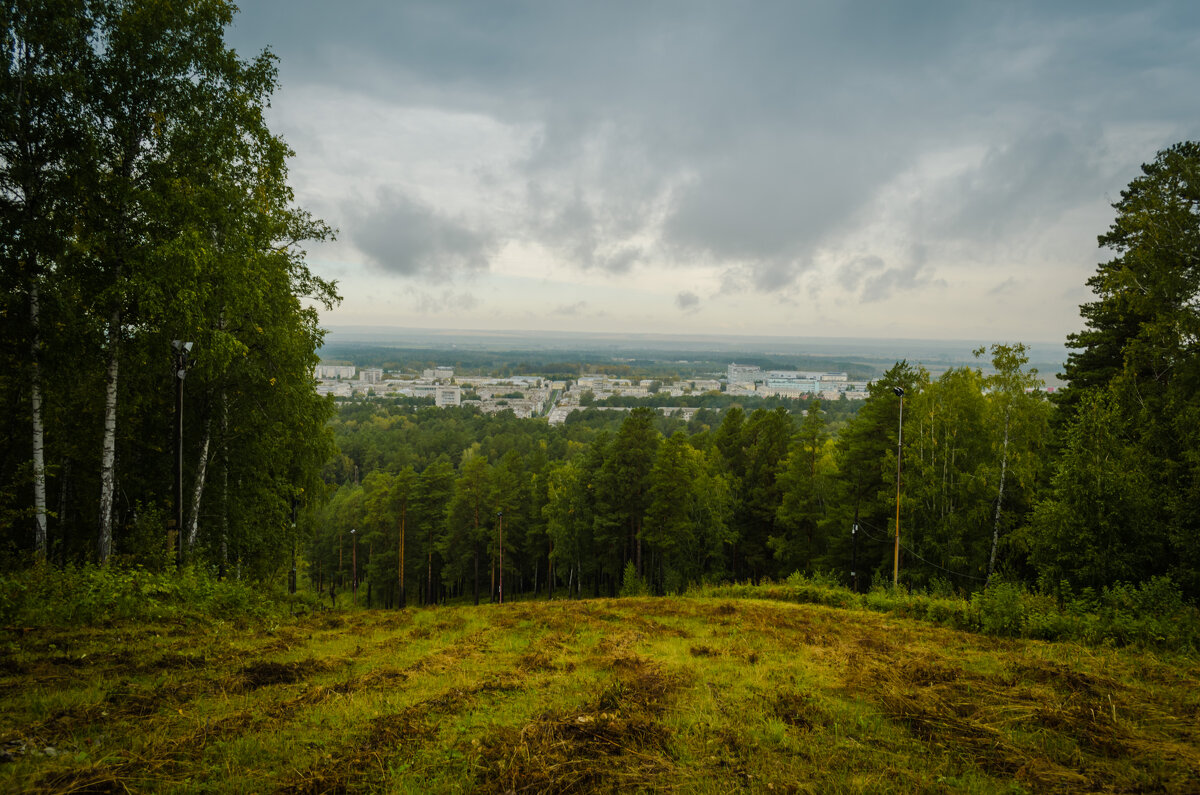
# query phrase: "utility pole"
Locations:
[[354, 567], [292, 573], [854, 551], [181, 349], [500, 516], [899, 447]]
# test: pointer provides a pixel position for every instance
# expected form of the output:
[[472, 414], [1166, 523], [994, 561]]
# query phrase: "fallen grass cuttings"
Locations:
[[690, 695], [615, 742], [800, 710], [364, 760], [535, 661], [1065, 736], [263, 673]]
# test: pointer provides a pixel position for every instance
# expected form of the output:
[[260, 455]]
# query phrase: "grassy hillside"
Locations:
[[681, 694]]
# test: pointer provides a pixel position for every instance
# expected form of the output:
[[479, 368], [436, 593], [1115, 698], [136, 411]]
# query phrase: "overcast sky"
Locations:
[[899, 169]]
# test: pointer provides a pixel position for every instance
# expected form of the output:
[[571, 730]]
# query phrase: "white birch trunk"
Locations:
[[108, 454], [193, 524], [39, 448]]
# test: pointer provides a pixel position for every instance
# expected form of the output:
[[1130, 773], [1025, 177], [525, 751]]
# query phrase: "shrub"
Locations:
[[44, 595], [632, 584], [999, 609]]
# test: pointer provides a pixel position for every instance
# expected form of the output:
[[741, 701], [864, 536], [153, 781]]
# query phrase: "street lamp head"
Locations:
[[500, 513], [898, 390]]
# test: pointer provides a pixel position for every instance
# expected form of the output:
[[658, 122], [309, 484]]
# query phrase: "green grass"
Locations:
[[684, 694]]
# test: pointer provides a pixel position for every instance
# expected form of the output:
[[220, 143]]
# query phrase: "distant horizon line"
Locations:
[[366, 328]]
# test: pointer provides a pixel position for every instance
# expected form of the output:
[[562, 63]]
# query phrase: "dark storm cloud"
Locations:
[[408, 238], [871, 279], [747, 136]]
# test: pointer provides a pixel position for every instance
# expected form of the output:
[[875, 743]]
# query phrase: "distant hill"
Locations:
[[565, 352]]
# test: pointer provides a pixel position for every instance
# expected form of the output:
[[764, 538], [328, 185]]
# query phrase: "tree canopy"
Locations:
[[146, 201]]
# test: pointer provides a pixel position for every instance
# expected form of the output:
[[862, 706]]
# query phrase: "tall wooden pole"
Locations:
[[899, 447]]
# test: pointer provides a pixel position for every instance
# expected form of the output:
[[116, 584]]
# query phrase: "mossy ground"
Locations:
[[653, 694]]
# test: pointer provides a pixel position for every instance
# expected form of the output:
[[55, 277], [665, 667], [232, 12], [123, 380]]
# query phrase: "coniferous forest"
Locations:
[[146, 206]]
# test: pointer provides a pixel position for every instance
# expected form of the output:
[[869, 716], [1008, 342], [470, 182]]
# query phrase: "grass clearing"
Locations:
[[644, 694]]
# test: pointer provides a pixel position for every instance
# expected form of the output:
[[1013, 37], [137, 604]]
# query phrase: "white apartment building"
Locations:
[[743, 373], [448, 396], [334, 371], [370, 375]]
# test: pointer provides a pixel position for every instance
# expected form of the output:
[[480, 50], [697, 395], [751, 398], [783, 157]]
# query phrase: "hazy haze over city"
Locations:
[[915, 170]]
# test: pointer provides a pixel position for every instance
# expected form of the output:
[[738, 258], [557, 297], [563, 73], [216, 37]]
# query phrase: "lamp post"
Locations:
[[292, 573], [181, 351], [854, 551], [500, 517], [899, 446], [354, 566]]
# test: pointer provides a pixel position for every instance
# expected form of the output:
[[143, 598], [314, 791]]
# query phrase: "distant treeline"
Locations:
[[566, 364]]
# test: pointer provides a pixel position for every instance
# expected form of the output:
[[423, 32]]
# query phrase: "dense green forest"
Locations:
[[619, 500], [160, 326]]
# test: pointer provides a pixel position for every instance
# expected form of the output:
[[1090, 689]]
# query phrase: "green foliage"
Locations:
[[999, 609], [1151, 614], [632, 583], [101, 595], [146, 201]]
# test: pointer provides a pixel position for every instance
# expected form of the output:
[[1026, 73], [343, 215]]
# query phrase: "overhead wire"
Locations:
[[886, 538]]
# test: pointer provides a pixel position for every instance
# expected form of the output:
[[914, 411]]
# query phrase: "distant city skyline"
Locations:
[[863, 169]]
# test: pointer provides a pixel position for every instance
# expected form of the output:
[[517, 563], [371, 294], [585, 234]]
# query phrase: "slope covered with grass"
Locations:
[[684, 694]]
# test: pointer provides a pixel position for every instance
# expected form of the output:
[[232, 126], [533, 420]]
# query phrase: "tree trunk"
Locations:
[[108, 455], [193, 524], [64, 521], [403, 517], [999, 497], [224, 520], [40, 541]]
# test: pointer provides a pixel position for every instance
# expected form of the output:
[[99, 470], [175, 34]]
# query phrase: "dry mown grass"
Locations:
[[607, 695]]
